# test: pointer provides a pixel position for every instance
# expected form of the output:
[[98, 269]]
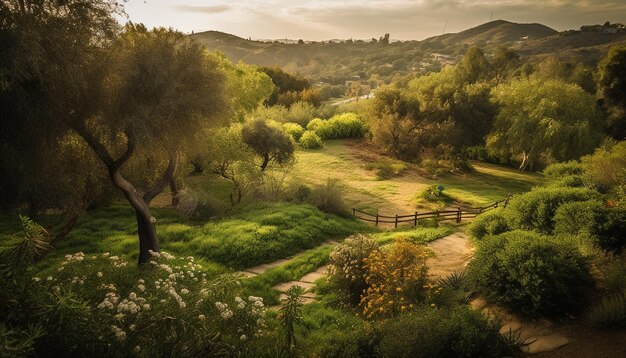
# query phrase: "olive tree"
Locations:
[[269, 141]]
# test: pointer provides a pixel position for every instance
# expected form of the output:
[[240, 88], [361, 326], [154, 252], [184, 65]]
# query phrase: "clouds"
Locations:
[[215, 9], [404, 19]]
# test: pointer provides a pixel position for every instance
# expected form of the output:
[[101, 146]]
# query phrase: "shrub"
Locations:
[[310, 140], [397, 280], [347, 269], [434, 195], [531, 273], [345, 125], [559, 170], [433, 333], [535, 210], [101, 305], [613, 273], [605, 169], [294, 130], [328, 197], [607, 226], [386, 168], [493, 222], [610, 312]]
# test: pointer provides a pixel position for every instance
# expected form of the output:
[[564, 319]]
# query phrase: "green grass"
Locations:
[[348, 162], [416, 235], [256, 234]]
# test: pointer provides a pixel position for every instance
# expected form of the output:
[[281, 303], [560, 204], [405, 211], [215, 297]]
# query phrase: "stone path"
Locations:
[[538, 335]]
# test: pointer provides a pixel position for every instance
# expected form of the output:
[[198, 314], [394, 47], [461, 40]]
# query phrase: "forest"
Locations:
[[159, 197]]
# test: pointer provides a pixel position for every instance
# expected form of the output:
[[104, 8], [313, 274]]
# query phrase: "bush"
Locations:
[[433, 333], [386, 168], [347, 267], [345, 125], [530, 273], [491, 223], [610, 312], [328, 197], [310, 140], [607, 226], [433, 195], [294, 130], [397, 280], [535, 210], [102, 305], [559, 170]]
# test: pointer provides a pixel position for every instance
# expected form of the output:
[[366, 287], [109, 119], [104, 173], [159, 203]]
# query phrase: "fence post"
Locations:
[[376, 220], [396, 221], [458, 215], [415, 223], [353, 212], [506, 201]]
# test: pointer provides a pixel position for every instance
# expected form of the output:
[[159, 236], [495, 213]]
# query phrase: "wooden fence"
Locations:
[[439, 215]]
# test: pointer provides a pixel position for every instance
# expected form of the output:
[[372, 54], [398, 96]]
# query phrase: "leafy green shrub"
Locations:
[[328, 197], [609, 312], [531, 273], [607, 226], [613, 273], [432, 194], [493, 222], [457, 332], [310, 140], [345, 125], [347, 269], [386, 168], [294, 130], [559, 170], [535, 210]]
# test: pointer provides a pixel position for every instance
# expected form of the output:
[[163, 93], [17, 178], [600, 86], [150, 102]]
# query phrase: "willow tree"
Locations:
[[159, 90], [544, 118]]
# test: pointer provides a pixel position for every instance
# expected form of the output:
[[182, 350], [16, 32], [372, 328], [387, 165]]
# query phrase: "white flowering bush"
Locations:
[[102, 304], [347, 267]]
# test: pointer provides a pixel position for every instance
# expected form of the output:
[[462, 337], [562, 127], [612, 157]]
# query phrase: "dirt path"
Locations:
[[452, 253]]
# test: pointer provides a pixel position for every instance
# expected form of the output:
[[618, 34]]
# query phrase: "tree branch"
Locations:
[[165, 179]]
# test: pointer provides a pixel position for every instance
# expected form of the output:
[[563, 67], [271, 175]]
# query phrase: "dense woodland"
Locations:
[[140, 169]]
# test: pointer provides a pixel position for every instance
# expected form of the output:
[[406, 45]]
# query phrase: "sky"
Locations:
[[364, 19]]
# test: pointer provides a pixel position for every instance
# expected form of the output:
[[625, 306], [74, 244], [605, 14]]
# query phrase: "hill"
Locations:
[[337, 61]]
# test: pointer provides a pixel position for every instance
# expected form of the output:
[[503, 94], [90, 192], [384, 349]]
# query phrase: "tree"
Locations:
[[612, 89], [544, 118], [269, 141], [504, 62], [355, 90], [47, 47], [473, 66]]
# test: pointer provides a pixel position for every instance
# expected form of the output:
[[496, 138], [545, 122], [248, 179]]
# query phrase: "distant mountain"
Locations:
[[337, 61]]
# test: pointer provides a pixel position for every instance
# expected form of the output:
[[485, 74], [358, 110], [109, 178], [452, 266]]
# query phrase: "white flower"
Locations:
[[36, 279], [137, 349], [201, 317], [119, 333], [243, 337], [141, 288], [99, 274], [227, 314], [132, 327], [119, 316], [221, 306], [106, 254], [132, 296], [141, 280], [49, 278], [184, 291], [146, 307], [154, 253]]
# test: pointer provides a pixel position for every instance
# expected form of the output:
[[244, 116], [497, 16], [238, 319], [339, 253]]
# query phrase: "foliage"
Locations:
[[294, 130], [397, 280], [285, 83], [328, 197], [434, 195], [609, 312], [530, 273], [456, 332], [535, 210], [386, 168], [612, 88], [605, 169], [310, 140], [558, 170], [268, 141], [290, 314], [340, 126], [544, 118], [607, 226], [347, 266], [613, 273], [493, 222]]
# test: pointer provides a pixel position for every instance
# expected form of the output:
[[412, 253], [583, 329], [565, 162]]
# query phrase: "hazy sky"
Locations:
[[328, 19]]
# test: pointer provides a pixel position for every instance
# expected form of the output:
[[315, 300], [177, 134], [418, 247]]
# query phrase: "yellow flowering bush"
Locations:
[[397, 280]]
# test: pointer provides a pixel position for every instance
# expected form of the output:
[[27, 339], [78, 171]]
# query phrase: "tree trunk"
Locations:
[[524, 164], [148, 239], [266, 160], [174, 192]]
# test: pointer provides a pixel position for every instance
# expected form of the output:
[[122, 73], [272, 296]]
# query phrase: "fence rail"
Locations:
[[439, 215]]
